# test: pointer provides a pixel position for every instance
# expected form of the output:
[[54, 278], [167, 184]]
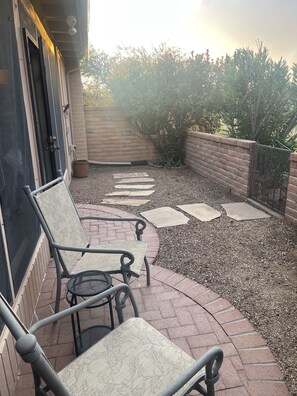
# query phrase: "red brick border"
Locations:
[[255, 365]]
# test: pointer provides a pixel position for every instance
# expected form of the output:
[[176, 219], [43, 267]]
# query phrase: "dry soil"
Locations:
[[253, 264]]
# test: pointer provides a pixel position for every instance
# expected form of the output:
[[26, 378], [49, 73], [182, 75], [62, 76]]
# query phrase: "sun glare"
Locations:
[[144, 24], [195, 25]]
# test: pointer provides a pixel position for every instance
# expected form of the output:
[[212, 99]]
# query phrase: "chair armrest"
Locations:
[[125, 254], [120, 304], [211, 360], [139, 226]]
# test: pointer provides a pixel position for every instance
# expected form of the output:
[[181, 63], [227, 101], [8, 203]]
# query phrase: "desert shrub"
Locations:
[[259, 97], [166, 93]]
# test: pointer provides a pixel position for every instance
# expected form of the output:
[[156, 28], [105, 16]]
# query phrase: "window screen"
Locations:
[[4, 282], [21, 225]]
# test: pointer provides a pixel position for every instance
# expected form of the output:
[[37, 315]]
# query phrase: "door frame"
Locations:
[[48, 172]]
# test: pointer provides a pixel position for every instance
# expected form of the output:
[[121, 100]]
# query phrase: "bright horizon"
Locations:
[[196, 25]]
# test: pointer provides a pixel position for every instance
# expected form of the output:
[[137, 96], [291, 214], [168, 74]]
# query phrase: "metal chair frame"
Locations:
[[126, 258], [46, 378]]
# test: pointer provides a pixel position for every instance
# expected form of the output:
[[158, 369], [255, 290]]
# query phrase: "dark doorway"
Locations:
[[46, 141]]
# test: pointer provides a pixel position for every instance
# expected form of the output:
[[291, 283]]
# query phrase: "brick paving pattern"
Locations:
[[192, 316]]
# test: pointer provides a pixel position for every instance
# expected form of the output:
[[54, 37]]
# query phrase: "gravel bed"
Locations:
[[253, 264]]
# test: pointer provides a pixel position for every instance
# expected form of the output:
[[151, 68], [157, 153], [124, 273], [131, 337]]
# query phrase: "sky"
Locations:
[[196, 25]]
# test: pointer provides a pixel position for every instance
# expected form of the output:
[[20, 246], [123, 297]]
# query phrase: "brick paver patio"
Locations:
[[192, 316]]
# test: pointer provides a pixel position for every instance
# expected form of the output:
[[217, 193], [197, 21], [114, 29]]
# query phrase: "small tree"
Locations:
[[95, 73], [259, 97], [288, 133], [165, 93]]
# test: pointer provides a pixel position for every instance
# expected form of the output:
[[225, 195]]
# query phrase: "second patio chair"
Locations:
[[134, 359], [70, 246]]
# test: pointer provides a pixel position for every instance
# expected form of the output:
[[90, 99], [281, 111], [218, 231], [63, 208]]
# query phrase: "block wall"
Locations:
[[291, 204], [111, 138], [226, 161]]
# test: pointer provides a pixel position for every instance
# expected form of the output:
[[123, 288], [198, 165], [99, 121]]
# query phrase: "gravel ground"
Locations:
[[253, 264]]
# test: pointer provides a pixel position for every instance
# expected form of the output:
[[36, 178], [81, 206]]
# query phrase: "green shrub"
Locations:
[[259, 97]]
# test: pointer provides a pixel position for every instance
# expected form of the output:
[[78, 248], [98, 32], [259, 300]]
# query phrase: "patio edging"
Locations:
[[263, 374]]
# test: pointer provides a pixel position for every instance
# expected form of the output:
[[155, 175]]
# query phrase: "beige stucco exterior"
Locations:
[[69, 91]]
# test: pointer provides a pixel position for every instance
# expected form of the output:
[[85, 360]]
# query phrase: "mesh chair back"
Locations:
[[61, 217]]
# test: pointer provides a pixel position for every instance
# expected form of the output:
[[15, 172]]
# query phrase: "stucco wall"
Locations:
[[111, 138], [291, 204], [24, 307], [77, 111], [224, 160]]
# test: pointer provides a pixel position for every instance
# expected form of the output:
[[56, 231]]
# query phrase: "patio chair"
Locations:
[[134, 359], [70, 246]]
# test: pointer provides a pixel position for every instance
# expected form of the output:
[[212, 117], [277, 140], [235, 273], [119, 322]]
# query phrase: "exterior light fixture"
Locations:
[[72, 31], [71, 22]]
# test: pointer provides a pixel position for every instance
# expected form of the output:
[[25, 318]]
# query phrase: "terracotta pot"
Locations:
[[80, 168]]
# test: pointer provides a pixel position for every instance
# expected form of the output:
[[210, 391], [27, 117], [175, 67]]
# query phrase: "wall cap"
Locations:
[[222, 139]]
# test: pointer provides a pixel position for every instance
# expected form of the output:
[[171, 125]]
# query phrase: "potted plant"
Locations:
[[80, 167]]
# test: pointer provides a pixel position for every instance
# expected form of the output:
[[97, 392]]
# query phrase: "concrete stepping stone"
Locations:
[[137, 180], [165, 217], [124, 175], [243, 211], [125, 202], [135, 186], [201, 211], [131, 193]]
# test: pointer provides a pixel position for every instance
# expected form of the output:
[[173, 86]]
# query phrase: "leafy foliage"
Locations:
[[95, 73], [259, 97], [165, 93]]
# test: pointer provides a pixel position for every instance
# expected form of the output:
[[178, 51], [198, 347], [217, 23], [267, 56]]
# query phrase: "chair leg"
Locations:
[[134, 305], [126, 277], [121, 304], [148, 271], [58, 293]]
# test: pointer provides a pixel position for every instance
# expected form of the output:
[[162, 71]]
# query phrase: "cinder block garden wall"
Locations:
[[111, 138], [224, 160], [291, 204], [228, 161]]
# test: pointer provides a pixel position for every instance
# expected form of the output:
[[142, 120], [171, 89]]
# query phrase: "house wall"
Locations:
[[25, 296], [24, 307], [291, 204], [111, 138], [77, 110], [68, 145], [224, 160]]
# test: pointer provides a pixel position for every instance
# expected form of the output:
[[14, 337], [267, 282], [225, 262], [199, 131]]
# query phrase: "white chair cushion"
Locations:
[[134, 359], [111, 262], [64, 224], [63, 221]]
